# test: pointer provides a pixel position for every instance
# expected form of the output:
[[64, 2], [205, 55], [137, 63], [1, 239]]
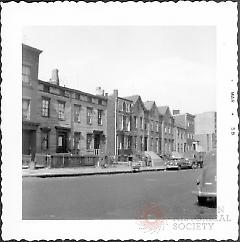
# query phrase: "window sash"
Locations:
[[89, 115], [89, 141], [61, 109], [45, 107], [26, 108], [100, 114], [77, 114]]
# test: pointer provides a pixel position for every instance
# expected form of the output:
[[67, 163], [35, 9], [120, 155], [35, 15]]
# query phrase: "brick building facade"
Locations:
[[167, 125], [57, 119], [154, 128], [119, 126], [186, 121], [138, 119]]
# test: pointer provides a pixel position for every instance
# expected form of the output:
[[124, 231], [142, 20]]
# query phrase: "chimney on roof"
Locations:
[[99, 91], [176, 111], [55, 77], [115, 92]]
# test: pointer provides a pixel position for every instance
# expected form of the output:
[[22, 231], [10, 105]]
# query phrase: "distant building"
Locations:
[[206, 130], [140, 134], [179, 139], [119, 126], [186, 121], [167, 130], [152, 141]]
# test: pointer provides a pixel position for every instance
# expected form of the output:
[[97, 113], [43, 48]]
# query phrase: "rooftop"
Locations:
[[32, 48], [148, 104], [162, 109]]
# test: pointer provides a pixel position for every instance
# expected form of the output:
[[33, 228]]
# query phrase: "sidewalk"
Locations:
[[81, 171]]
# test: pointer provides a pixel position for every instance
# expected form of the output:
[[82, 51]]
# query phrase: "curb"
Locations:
[[42, 175]]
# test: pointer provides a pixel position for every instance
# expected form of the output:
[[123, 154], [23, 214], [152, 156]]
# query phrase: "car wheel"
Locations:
[[201, 200]]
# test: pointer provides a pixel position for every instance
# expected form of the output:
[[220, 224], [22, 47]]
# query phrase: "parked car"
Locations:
[[173, 163], [185, 163], [136, 166], [207, 182], [191, 163]]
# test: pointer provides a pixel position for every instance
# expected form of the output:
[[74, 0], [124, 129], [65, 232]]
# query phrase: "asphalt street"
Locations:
[[160, 194]]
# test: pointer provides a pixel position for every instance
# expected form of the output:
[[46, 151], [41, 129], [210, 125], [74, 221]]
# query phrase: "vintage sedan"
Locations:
[[207, 182], [173, 163], [136, 166], [185, 163]]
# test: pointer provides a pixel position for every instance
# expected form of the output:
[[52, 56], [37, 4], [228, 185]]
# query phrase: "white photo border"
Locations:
[[16, 15]]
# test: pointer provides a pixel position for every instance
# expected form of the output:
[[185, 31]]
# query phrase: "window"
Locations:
[[60, 140], [141, 143], [141, 122], [157, 126], [123, 106], [26, 73], [121, 122], [46, 88], [89, 141], [135, 122], [77, 113], [128, 124], [45, 140], [89, 99], [135, 142], [26, 109], [129, 142], [76, 144], [165, 130], [61, 110], [45, 107], [89, 115], [151, 125], [169, 130], [178, 147], [128, 105], [145, 124], [100, 115]]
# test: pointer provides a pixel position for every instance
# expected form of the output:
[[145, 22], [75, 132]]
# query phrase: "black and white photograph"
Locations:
[[130, 102], [124, 124]]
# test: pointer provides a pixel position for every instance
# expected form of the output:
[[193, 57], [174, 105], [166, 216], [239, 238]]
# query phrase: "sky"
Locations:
[[171, 65]]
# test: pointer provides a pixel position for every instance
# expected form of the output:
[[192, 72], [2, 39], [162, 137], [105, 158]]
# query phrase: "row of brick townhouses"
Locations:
[[57, 119]]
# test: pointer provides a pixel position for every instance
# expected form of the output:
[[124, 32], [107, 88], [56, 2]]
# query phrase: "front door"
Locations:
[[145, 143], [61, 142], [97, 141], [29, 142]]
